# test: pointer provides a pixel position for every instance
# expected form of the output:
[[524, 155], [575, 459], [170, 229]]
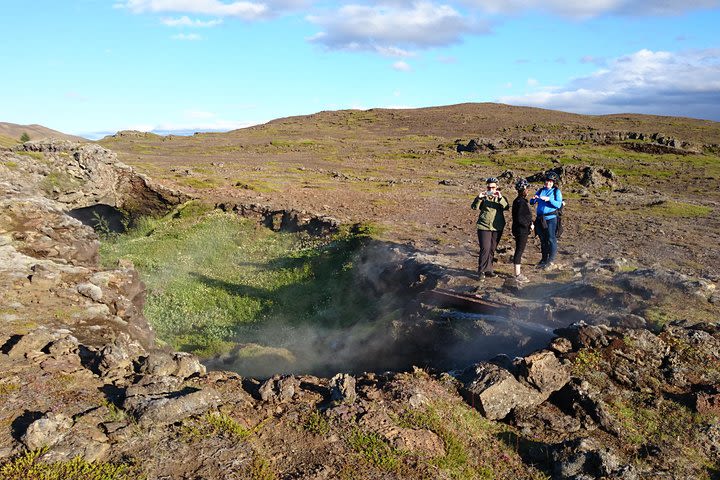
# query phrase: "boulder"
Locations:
[[586, 458], [343, 388], [33, 343], [46, 431], [169, 409], [279, 389], [177, 364], [495, 392], [543, 371], [116, 360]]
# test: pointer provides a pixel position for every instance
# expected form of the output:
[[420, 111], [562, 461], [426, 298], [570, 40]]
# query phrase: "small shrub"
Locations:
[[316, 423], [115, 413], [586, 361], [226, 426], [8, 388], [24, 137], [261, 469], [28, 467]]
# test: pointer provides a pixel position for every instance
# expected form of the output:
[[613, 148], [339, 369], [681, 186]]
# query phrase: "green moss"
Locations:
[[375, 450], [200, 184], [679, 209]]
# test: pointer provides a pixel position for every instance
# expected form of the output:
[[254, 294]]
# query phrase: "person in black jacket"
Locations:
[[522, 225]]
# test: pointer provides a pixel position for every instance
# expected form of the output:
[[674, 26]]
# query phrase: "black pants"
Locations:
[[488, 241], [520, 244]]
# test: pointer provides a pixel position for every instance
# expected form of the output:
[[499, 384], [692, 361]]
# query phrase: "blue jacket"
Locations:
[[551, 205]]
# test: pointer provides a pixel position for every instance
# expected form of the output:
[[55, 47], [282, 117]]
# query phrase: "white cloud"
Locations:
[[190, 126], [186, 21], [592, 8], [392, 27], [532, 82], [401, 66], [244, 10], [663, 83], [394, 52], [599, 61], [187, 36]]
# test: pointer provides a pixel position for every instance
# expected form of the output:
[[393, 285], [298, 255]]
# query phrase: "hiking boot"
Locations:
[[490, 274], [550, 266], [521, 278]]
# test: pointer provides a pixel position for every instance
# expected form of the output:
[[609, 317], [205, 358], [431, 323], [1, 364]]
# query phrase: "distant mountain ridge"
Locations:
[[13, 131]]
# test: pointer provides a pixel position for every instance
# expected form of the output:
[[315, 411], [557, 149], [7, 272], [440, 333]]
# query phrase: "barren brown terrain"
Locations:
[[608, 367]]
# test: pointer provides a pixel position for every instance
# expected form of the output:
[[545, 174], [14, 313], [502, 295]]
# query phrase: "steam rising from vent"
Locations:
[[402, 334]]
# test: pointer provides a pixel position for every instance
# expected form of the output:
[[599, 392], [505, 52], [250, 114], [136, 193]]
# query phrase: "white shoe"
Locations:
[[521, 278]]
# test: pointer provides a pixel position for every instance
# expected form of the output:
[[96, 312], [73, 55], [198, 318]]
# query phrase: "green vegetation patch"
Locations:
[[586, 361], [375, 450], [35, 155], [11, 164], [204, 183], [646, 419], [679, 209], [213, 277], [315, 422], [29, 467], [473, 446], [60, 181]]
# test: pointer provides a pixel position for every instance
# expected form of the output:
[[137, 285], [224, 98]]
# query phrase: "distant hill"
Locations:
[[488, 119], [10, 133]]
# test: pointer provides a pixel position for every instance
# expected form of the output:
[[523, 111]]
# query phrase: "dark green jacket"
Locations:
[[492, 213]]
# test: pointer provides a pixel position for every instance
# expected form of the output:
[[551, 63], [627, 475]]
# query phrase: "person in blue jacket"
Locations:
[[549, 200]]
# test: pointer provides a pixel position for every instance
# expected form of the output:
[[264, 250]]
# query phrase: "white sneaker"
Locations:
[[521, 278]]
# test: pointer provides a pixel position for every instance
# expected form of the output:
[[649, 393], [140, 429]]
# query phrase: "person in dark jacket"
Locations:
[[490, 224], [522, 225]]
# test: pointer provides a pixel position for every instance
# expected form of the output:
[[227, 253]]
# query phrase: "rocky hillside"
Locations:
[[627, 387]]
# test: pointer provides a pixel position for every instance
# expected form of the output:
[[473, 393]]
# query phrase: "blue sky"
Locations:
[[91, 67]]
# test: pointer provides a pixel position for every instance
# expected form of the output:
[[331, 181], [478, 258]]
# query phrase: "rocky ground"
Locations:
[[627, 387]]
